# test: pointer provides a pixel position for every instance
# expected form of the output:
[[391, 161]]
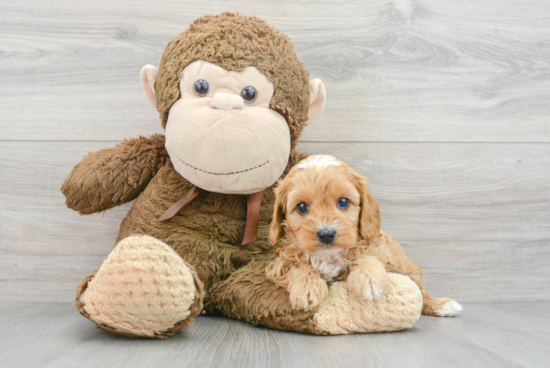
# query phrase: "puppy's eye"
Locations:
[[343, 203], [302, 208], [201, 87], [249, 94]]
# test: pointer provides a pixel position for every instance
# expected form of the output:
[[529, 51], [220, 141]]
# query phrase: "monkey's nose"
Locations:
[[227, 101], [326, 235]]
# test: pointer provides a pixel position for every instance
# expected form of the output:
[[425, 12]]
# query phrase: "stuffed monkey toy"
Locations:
[[233, 98]]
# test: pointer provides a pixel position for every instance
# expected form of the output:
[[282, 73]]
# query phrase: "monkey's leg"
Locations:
[[249, 296], [143, 289]]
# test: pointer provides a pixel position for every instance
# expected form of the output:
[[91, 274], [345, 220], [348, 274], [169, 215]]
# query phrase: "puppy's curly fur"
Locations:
[[326, 226]]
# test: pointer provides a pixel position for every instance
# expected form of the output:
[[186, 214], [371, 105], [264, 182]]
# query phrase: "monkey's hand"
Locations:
[[368, 279], [113, 176]]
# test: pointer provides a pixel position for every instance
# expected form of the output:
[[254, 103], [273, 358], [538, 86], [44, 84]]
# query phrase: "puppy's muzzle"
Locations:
[[326, 236]]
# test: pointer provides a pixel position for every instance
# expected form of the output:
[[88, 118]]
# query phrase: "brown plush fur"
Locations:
[[208, 233], [235, 42], [113, 176], [247, 295]]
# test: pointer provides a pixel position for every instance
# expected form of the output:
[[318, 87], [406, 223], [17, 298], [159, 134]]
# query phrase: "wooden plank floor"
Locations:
[[484, 335]]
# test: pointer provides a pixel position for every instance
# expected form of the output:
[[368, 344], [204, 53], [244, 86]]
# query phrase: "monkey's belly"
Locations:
[[207, 233]]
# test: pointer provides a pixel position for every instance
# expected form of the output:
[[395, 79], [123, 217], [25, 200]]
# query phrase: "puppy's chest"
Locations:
[[329, 267]]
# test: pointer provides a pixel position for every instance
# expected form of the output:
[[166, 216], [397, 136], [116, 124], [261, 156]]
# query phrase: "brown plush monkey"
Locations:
[[234, 98]]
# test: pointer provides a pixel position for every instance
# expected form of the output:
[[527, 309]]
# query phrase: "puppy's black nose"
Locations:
[[326, 235]]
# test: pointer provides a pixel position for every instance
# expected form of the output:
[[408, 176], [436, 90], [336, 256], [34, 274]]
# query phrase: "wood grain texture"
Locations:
[[403, 70], [476, 216], [495, 335]]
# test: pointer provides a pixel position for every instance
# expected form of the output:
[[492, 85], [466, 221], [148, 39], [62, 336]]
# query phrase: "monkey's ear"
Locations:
[[317, 99], [148, 77]]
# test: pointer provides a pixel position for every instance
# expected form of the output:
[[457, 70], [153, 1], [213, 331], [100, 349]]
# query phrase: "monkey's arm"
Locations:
[[113, 176]]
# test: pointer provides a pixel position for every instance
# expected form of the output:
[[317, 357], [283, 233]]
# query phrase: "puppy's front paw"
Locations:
[[368, 285], [308, 294]]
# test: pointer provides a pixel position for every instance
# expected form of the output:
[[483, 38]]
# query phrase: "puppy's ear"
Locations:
[[369, 217], [276, 229]]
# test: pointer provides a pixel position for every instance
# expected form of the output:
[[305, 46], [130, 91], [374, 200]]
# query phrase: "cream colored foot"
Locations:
[[342, 312], [143, 288]]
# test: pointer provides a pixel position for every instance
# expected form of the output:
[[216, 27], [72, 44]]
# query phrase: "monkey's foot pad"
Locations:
[[143, 289]]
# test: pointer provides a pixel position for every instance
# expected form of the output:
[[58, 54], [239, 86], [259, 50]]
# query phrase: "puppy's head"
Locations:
[[325, 206]]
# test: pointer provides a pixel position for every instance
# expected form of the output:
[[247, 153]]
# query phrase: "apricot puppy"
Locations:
[[327, 225]]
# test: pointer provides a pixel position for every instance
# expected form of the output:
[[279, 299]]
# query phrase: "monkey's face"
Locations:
[[221, 134]]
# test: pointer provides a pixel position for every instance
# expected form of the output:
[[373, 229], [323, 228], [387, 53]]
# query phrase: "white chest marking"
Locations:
[[328, 262]]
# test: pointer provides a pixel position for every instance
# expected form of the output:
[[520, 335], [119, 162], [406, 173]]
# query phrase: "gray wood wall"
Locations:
[[444, 105]]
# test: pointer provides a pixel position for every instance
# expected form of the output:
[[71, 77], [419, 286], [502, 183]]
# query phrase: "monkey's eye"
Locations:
[[249, 94], [302, 208], [343, 203], [201, 87]]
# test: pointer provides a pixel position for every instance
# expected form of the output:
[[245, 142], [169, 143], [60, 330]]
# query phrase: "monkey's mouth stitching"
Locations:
[[231, 173]]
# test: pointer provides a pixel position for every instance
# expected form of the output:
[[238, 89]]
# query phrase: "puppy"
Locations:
[[327, 225]]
